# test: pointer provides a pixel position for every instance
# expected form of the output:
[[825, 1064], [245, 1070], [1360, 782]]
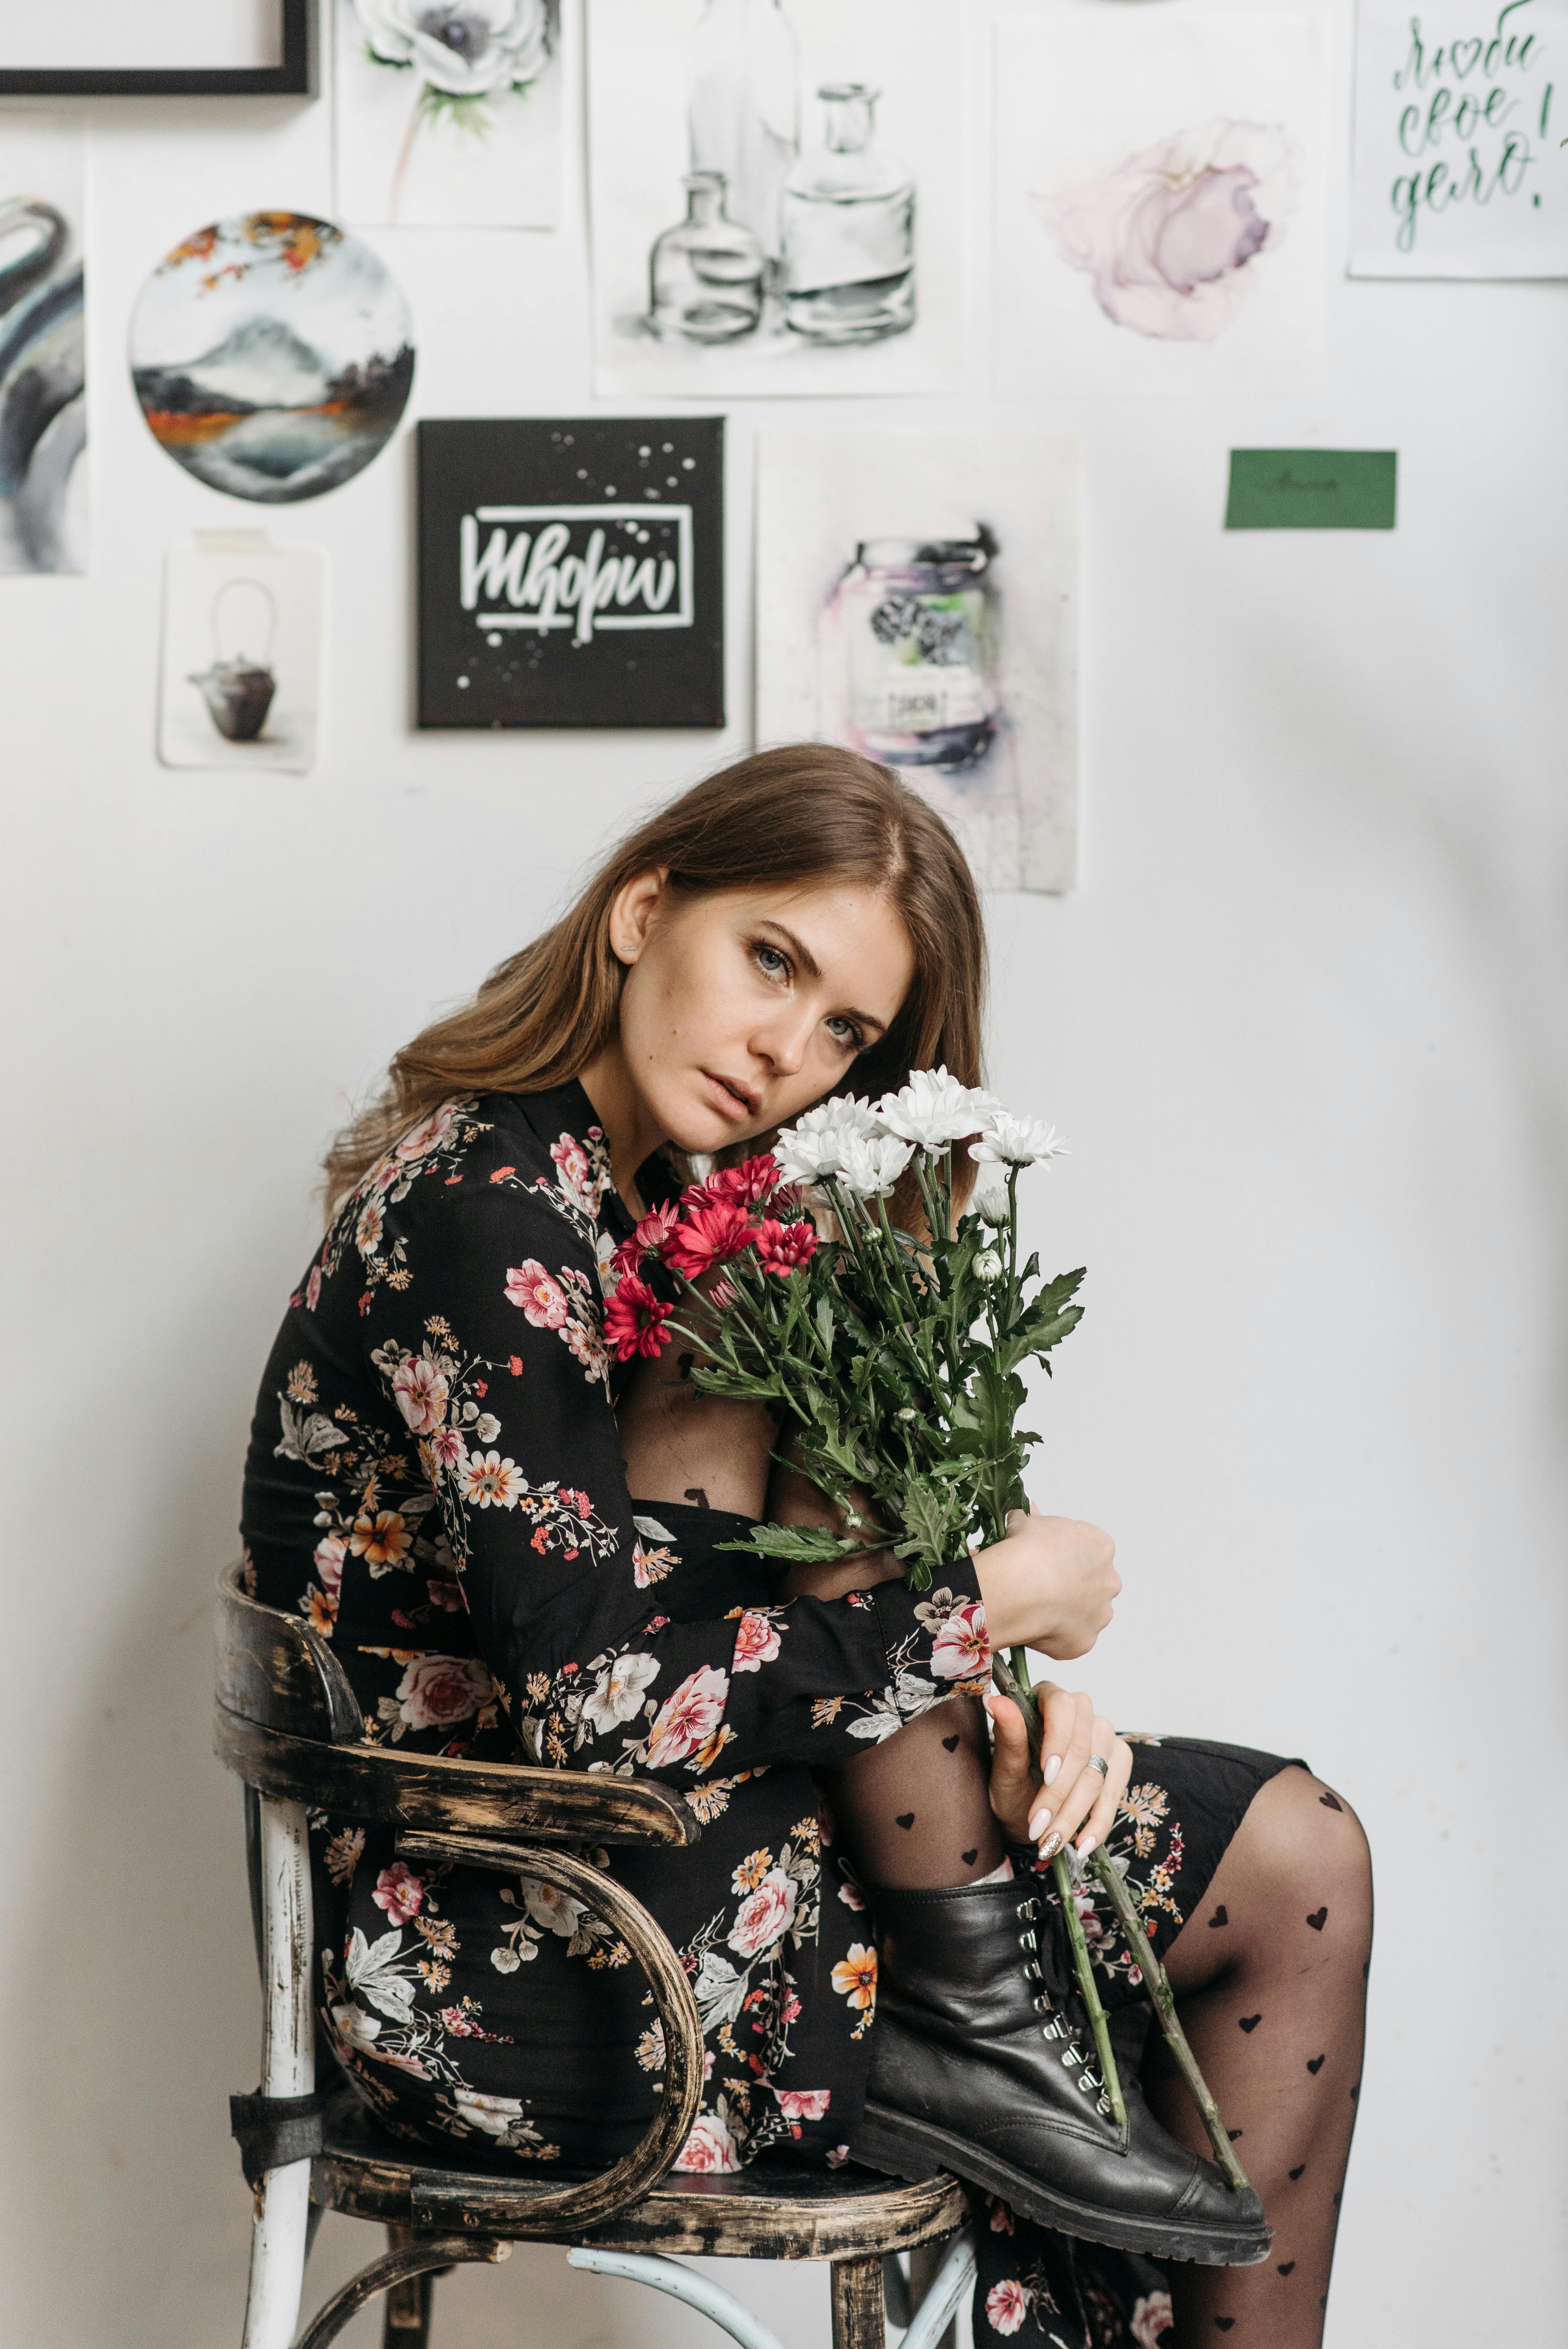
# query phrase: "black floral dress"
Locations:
[[435, 1482]]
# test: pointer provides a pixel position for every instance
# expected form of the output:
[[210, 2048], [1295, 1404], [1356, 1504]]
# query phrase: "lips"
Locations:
[[741, 1100]]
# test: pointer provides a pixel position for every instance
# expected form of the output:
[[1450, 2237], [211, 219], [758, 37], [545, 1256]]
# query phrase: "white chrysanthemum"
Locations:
[[991, 1205], [812, 1149], [872, 1163], [933, 1109], [1009, 1140], [468, 48]]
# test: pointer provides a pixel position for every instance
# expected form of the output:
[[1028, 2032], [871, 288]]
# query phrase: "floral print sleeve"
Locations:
[[462, 1282]]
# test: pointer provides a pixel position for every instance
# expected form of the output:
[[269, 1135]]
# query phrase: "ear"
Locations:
[[633, 911]]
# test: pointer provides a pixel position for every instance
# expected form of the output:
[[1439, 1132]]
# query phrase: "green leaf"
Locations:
[[933, 1518], [1037, 1338], [799, 1545]]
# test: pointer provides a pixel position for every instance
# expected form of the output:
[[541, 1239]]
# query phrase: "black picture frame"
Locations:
[[294, 77], [597, 545]]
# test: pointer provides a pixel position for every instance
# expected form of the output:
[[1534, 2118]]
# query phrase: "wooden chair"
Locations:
[[288, 1723]]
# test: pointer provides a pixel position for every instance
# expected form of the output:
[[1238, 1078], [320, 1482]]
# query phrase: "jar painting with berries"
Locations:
[[911, 634]]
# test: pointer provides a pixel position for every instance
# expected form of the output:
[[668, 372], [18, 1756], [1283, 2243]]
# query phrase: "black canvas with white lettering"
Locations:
[[571, 572]]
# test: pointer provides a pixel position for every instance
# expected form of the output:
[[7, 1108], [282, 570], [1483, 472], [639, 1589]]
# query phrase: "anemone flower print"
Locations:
[[433, 130]]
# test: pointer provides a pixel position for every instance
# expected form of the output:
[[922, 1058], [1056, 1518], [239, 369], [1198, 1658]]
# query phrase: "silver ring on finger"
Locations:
[[1098, 1761]]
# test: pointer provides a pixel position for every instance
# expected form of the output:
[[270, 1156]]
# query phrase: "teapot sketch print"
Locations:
[[238, 691], [42, 416]]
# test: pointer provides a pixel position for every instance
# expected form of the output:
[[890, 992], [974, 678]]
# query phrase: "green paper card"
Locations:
[[1310, 488]]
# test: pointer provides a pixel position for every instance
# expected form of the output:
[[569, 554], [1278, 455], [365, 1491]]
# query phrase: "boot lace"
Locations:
[[1061, 2024]]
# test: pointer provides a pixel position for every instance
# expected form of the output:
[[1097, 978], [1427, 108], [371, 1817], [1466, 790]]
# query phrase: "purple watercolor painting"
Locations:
[[1170, 238], [1161, 183]]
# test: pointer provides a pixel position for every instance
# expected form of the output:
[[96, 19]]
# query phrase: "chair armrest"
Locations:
[[432, 1793], [440, 2201]]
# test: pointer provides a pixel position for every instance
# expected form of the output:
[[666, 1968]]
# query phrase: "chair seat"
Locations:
[[776, 2209]]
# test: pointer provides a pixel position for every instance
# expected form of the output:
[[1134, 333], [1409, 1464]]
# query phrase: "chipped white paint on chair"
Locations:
[[288, 2069]]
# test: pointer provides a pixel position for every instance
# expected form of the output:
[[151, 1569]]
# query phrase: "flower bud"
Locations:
[[992, 1202], [988, 1264]]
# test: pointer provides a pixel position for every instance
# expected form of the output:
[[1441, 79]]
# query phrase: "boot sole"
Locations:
[[890, 2140]]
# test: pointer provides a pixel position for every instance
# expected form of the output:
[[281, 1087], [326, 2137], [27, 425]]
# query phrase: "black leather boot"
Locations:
[[982, 2063]]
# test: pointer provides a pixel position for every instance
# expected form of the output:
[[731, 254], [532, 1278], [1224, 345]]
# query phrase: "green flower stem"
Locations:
[[1091, 1989], [1013, 1680], [934, 1216], [919, 1329], [844, 1216], [1163, 2001]]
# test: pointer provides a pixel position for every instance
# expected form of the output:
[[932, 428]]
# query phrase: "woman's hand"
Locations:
[[1050, 1583], [1074, 1801]]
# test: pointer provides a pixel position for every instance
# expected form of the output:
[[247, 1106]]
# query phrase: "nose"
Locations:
[[783, 1044]]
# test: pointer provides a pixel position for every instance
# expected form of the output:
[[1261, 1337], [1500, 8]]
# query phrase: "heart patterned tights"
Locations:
[[1270, 1971]]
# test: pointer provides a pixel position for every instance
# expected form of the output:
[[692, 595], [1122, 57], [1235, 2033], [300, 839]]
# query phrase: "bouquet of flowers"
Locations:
[[892, 1360]]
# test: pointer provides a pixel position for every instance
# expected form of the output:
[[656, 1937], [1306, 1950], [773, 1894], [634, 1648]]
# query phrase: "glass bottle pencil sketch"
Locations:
[[743, 109], [815, 247], [910, 628], [705, 274], [849, 230]]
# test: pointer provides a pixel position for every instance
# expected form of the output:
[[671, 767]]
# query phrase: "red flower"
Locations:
[[647, 1240], [706, 1236], [780, 1247], [745, 1186], [633, 1320]]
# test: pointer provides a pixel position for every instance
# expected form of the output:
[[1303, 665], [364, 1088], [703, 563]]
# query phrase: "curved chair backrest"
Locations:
[[275, 1671], [288, 1722]]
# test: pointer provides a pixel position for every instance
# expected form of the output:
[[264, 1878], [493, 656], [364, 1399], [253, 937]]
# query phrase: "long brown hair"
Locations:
[[806, 811]]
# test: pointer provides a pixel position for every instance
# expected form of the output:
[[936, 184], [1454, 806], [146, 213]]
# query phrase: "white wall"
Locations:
[[1304, 1023]]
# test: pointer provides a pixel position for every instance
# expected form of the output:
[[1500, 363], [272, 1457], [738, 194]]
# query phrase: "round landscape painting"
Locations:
[[272, 355]]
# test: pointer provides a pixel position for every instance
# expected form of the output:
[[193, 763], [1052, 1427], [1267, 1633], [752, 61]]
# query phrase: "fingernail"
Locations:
[[1086, 1844], [1038, 1825], [1050, 1847], [1052, 1770]]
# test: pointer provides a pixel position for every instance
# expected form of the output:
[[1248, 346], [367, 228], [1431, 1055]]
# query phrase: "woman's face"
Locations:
[[742, 1009]]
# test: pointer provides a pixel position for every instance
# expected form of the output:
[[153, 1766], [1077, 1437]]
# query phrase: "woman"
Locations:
[[436, 1479]]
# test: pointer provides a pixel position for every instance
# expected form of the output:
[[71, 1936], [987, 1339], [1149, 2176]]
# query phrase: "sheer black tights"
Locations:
[[1270, 1972], [915, 1811]]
